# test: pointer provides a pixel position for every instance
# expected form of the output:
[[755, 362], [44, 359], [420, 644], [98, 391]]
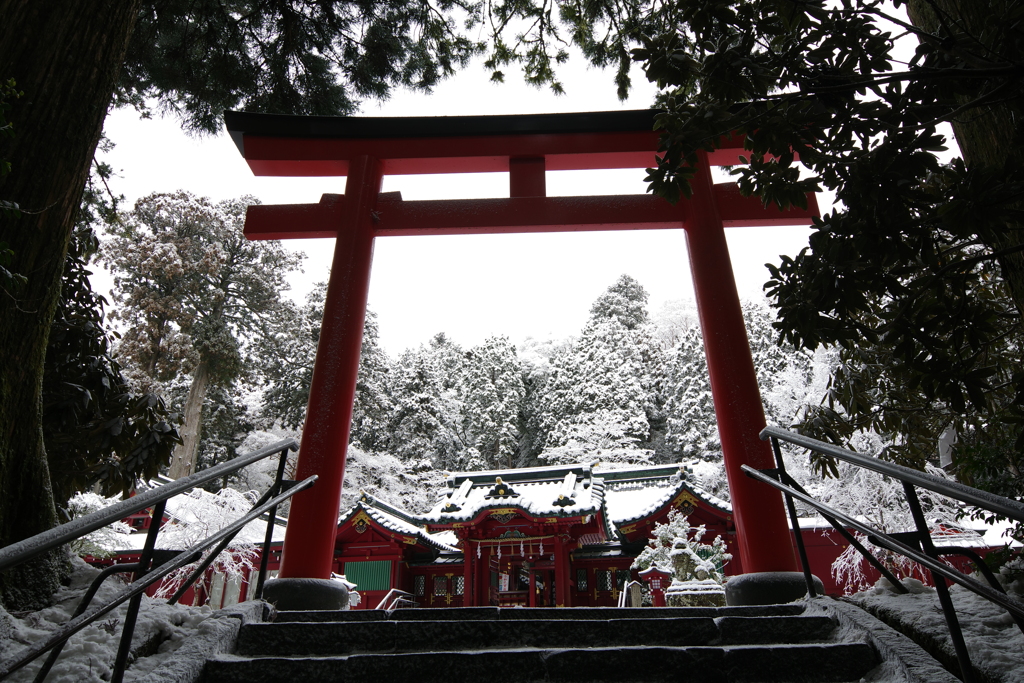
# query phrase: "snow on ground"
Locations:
[[994, 642], [89, 656]]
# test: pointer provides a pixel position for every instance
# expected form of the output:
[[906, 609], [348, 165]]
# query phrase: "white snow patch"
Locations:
[[89, 656], [995, 644]]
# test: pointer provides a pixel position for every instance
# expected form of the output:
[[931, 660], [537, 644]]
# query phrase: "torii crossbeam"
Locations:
[[525, 147]]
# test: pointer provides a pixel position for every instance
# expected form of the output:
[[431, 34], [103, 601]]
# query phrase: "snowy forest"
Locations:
[[203, 325]]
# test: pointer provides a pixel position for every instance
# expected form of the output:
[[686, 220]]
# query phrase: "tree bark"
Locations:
[[183, 461], [65, 56], [988, 136]]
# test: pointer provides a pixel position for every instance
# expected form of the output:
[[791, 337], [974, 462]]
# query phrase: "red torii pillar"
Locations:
[[365, 149]]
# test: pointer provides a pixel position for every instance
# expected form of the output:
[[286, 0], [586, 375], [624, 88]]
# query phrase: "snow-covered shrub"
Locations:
[[710, 475], [259, 476], [105, 541], [199, 515], [677, 538], [881, 502]]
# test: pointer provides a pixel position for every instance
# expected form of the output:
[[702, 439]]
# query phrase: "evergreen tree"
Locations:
[[373, 402], [601, 394], [96, 429], [288, 349], [427, 416], [192, 289], [624, 302], [692, 426], [493, 393], [788, 379]]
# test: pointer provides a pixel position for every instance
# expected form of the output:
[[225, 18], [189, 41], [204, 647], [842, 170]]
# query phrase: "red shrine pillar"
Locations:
[[312, 523], [469, 563], [561, 573], [763, 536]]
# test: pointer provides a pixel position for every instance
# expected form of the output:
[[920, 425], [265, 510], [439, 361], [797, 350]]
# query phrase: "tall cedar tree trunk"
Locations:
[[183, 461], [987, 135], [65, 56]]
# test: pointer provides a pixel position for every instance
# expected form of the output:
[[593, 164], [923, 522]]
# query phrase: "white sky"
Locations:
[[469, 287]]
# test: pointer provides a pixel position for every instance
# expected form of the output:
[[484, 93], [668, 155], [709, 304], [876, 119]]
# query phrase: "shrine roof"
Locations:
[[397, 524], [392, 510], [561, 491], [635, 493]]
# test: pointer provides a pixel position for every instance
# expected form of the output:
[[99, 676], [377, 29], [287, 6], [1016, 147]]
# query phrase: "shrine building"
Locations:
[[544, 536]]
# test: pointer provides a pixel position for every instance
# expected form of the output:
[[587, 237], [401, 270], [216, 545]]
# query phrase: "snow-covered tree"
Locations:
[[624, 302], [427, 413], [788, 379], [492, 391], [601, 395], [190, 290], [198, 515], [689, 408], [412, 485], [877, 500], [676, 537], [373, 402], [289, 352]]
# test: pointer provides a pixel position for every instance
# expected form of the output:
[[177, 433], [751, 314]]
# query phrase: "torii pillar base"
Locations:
[[768, 588], [302, 595]]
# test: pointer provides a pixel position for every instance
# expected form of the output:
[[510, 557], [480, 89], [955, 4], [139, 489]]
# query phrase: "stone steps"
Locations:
[[518, 613], [762, 644]]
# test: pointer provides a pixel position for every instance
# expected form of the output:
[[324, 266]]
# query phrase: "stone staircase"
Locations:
[[781, 643]]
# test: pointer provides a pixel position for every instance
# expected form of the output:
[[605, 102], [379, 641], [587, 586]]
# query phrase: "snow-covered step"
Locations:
[[342, 638], [813, 663], [519, 613]]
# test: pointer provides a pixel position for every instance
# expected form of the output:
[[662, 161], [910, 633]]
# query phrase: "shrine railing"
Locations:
[[915, 545], [396, 599], [145, 574]]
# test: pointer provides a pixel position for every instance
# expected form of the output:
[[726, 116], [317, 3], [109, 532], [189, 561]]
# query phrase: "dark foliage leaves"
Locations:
[[96, 429], [917, 276], [199, 58]]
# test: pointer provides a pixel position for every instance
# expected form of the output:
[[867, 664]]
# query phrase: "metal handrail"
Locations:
[[19, 552], [923, 551], [393, 597], [625, 589], [952, 489], [156, 498]]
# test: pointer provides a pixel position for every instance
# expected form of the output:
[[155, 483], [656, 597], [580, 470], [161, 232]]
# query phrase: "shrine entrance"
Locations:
[[365, 149]]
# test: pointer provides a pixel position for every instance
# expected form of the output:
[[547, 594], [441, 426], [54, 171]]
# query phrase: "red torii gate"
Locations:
[[366, 149]]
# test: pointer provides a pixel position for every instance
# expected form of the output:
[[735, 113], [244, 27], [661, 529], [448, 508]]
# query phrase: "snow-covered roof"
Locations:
[[633, 494], [559, 491], [399, 521]]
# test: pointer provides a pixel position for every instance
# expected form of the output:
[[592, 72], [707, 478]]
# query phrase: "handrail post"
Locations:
[[269, 535], [797, 533], [128, 631], [952, 623]]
